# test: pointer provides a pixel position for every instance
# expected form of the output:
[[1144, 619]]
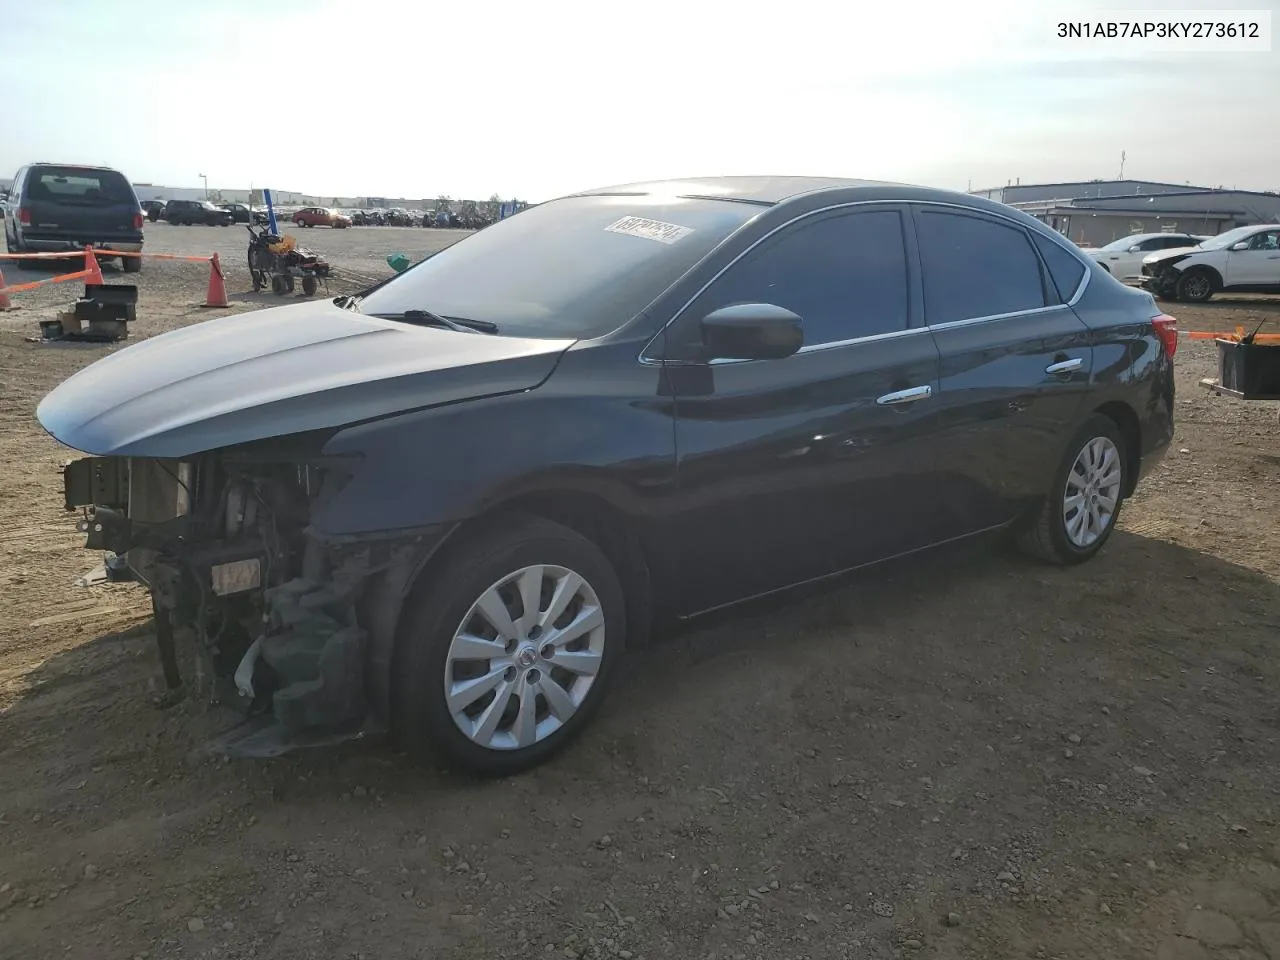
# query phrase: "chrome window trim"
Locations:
[[912, 206]]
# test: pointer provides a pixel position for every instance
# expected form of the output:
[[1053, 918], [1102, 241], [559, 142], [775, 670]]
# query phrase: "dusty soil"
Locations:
[[966, 757]]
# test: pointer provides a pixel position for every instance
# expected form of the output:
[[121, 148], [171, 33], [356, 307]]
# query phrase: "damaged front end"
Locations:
[[1161, 276], [224, 543]]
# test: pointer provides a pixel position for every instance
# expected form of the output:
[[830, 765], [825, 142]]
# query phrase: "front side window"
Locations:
[[844, 275], [973, 267], [1269, 240]]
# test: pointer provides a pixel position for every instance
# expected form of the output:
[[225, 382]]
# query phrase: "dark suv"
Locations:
[[196, 211], [66, 207], [243, 214]]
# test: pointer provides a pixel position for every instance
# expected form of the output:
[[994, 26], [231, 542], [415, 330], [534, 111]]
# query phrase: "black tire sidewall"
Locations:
[[1096, 426], [424, 725], [1180, 288]]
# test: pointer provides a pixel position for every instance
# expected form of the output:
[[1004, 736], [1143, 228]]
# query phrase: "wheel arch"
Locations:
[[586, 511], [1214, 274], [1126, 420]]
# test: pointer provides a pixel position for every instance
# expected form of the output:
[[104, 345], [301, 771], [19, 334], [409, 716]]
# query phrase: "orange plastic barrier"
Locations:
[[61, 278], [216, 295]]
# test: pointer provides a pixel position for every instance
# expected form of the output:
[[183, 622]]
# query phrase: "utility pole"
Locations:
[[1121, 177]]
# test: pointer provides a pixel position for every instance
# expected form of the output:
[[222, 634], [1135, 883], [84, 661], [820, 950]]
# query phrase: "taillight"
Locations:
[[137, 221], [24, 216], [1166, 328]]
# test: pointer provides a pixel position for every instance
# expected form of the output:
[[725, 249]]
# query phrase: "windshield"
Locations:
[[79, 186], [1224, 240], [576, 267]]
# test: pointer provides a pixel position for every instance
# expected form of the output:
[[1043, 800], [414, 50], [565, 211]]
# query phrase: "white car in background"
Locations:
[[1123, 258], [1243, 260]]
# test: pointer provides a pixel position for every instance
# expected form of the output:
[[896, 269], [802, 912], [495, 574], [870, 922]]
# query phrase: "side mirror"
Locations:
[[1134, 249], [1242, 245], [751, 331]]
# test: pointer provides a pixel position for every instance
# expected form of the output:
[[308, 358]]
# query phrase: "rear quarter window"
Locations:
[[1065, 270]]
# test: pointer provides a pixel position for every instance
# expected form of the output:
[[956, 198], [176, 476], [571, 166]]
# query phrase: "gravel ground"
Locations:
[[967, 756]]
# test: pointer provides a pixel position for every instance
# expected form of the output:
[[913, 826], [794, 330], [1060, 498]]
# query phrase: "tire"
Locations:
[[279, 285], [1195, 286], [131, 264], [1047, 535], [309, 286], [447, 603]]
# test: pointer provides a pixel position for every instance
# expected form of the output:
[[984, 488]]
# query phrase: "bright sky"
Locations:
[[532, 100]]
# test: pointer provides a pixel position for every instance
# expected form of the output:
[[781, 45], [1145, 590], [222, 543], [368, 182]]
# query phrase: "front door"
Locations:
[[1015, 360], [1257, 266], [793, 469]]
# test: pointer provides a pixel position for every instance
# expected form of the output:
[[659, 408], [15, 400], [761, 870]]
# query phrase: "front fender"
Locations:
[[600, 427]]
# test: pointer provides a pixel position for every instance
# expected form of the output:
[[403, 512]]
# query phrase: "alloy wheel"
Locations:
[[524, 657], [1092, 492]]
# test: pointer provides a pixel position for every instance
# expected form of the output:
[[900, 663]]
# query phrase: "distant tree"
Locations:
[[444, 204], [493, 206]]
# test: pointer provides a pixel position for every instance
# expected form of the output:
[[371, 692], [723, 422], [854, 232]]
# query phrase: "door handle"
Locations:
[[1064, 366], [906, 396]]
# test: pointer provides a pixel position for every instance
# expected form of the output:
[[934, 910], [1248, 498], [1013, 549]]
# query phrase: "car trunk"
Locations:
[[78, 205]]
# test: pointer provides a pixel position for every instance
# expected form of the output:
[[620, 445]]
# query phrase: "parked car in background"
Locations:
[[1123, 257], [450, 503], [321, 217], [243, 214], [153, 209], [189, 212], [68, 207], [1243, 260]]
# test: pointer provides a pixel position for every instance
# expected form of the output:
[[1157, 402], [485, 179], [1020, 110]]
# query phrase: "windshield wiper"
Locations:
[[349, 302], [428, 319]]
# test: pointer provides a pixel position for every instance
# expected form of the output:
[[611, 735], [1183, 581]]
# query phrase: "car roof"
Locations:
[[767, 190]]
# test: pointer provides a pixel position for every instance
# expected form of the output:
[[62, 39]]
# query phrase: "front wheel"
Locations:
[[1196, 286], [309, 285], [1082, 507], [507, 651]]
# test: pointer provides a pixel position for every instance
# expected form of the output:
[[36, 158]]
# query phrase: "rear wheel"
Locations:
[[1082, 507], [131, 264], [507, 651], [309, 286], [279, 285]]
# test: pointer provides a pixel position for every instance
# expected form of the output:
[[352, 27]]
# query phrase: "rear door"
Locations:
[[80, 205], [1016, 361]]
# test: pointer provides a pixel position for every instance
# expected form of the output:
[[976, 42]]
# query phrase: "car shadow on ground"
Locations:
[[951, 621]]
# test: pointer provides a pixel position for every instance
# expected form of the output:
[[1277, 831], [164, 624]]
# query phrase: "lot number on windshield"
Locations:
[[650, 229]]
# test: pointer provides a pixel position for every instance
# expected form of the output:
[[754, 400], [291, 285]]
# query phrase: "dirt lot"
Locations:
[[965, 757]]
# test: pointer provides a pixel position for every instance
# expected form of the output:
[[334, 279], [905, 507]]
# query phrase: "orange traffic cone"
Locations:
[[4, 297], [217, 293], [93, 272]]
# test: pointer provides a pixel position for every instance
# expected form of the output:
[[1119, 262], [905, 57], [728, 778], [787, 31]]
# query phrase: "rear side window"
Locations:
[[78, 185], [974, 267], [1064, 269]]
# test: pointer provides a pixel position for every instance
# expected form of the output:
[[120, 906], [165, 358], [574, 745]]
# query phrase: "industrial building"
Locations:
[[1095, 212]]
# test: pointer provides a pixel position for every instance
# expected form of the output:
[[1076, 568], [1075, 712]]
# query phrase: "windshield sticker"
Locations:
[[650, 229]]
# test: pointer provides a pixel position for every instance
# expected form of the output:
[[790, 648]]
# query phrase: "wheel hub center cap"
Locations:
[[527, 657]]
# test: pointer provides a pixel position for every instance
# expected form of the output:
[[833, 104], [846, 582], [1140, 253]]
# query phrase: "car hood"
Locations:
[[1163, 255], [270, 373]]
